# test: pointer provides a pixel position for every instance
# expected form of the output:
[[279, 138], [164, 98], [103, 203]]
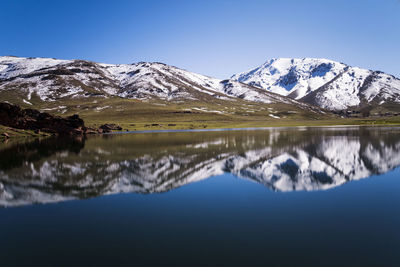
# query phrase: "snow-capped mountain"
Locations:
[[52, 79], [320, 82], [326, 83], [278, 159]]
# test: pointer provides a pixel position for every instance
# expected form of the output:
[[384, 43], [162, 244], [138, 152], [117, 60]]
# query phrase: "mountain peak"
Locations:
[[327, 83]]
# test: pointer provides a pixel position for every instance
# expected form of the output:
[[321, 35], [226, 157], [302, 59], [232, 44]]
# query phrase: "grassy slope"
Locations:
[[17, 133], [215, 113], [158, 114]]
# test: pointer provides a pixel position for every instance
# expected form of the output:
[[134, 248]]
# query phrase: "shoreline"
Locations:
[[251, 128], [29, 134]]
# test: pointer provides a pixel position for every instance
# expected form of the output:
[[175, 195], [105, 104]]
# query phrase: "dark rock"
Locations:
[[5, 135], [91, 130], [108, 127], [31, 119]]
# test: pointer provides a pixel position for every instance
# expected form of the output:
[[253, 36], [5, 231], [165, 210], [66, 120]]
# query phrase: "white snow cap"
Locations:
[[336, 85]]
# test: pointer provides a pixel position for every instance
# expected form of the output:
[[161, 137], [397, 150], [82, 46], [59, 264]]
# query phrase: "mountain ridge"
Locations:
[[156, 79], [63, 86], [340, 86], [309, 84]]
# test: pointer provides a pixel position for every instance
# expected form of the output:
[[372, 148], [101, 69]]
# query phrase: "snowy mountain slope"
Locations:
[[51, 79], [11, 66], [289, 76], [278, 160], [326, 83]]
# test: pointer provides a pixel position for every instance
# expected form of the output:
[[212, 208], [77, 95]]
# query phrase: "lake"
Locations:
[[273, 197]]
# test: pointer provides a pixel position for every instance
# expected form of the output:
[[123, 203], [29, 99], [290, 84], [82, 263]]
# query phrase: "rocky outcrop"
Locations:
[[109, 127], [31, 119]]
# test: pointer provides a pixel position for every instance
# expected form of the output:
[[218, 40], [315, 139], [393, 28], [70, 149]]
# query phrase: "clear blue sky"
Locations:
[[216, 38]]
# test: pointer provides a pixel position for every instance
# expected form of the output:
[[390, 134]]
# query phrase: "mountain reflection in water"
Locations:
[[57, 169]]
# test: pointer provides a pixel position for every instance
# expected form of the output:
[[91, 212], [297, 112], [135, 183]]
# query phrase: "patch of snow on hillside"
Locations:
[[26, 102]]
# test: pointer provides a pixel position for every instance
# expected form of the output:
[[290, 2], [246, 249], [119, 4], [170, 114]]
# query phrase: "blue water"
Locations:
[[219, 221], [222, 220]]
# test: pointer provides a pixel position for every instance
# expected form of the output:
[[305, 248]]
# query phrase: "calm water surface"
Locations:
[[278, 197]]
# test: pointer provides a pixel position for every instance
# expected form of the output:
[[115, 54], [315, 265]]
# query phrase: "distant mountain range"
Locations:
[[299, 82], [52, 79]]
